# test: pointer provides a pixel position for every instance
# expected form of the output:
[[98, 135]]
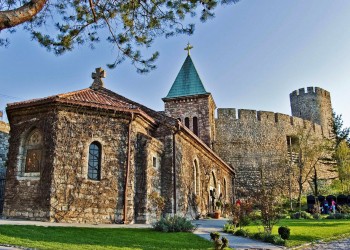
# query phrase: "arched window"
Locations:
[[195, 125], [94, 171], [196, 178], [187, 122], [32, 151]]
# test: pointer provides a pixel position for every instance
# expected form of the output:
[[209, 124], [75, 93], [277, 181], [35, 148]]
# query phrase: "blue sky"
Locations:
[[252, 55]]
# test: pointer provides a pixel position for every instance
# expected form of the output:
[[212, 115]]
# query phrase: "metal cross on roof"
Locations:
[[97, 76], [188, 48]]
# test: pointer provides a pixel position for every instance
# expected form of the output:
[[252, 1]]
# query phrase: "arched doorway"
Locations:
[[213, 195]]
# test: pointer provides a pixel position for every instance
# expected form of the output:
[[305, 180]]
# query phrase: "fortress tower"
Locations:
[[313, 105], [189, 102]]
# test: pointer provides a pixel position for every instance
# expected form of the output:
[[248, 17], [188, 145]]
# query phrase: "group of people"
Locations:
[[328, 208]]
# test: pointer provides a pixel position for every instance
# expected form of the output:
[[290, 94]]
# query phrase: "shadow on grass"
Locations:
[[116, 237]]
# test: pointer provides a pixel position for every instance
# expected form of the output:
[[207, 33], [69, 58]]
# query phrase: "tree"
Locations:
[[60, 25], [273, 176], [339, 133], [313, 154], [342, 156]]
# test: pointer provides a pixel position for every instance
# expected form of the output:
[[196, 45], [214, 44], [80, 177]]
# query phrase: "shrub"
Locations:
[[258, 236], [218, 244], [301, 215], [229, 228], [317, 216], [274, 239], [284, 232], [174, 224], [241, 232], [338, 216]]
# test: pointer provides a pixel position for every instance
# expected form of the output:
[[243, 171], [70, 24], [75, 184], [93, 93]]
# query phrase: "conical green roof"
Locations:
[[187, 82]]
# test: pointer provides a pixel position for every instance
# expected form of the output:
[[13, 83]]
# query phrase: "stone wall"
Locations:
[[29, 196], [244, 139], [202, 107], [313, 104], [195, 170]]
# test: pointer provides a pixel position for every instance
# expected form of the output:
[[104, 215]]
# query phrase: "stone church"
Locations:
[[94, 156]]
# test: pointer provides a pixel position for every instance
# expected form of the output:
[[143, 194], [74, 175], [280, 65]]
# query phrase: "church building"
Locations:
[[94, 156]]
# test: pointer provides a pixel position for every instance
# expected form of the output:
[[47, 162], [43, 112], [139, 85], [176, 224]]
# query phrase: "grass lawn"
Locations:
[[99, 238], [303, 231]]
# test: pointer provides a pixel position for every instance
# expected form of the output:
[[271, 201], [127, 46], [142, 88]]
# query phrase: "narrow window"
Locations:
[[195, 125], [154, 162], [94, 171], [225, 191], [187, 122], [196, 178]]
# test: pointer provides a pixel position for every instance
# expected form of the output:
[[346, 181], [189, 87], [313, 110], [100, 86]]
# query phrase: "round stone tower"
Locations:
[[314, 105]]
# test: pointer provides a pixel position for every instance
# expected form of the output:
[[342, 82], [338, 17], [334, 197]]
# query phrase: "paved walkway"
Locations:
[[205, 227]]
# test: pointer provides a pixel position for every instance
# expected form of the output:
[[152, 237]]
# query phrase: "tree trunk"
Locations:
[[12, 18]]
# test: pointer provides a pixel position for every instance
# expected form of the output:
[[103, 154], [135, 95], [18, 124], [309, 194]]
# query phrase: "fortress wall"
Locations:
[[246, 139]]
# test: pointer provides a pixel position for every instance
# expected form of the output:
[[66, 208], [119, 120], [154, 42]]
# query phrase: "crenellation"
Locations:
[[227, 113], [247, 115], [266, 116], [283, 118]]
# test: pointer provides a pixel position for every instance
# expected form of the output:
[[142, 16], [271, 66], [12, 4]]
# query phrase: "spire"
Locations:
[[97, 76], [187, 82]]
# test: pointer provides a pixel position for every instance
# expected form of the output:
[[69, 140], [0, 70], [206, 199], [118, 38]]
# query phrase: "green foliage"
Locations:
[[219, 244], [339, 132], [301, 215], [284, 232], [338, 216], [229, 228], [75, 238], [63, 25], [241, 232], [317, 216], [174, 224], [274, 239]]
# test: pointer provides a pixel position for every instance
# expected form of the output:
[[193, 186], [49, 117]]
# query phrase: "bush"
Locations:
[[274, 239], [317, 216], [338, 216], [241, 232], [219, 244], [258, 236], [229, 228], [301, 215], [284, 232], [174, 224]]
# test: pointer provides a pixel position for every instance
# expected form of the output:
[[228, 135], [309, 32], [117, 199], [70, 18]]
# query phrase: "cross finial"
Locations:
[[188, 48], [97, 76]]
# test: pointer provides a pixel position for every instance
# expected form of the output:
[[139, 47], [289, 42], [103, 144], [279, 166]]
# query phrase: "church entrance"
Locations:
[[212, 193]]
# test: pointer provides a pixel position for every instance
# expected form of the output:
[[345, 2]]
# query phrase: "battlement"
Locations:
[[247, 115], [310, 91]]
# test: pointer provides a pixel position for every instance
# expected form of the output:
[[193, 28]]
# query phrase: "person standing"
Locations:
[[333, 206]]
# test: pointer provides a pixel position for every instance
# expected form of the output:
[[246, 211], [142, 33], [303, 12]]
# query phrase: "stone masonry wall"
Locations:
[[244, 140], [193, 191], [28, 197], [202, 107], [313, 104]]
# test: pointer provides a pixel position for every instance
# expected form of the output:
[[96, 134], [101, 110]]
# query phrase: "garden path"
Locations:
[[206, 226]]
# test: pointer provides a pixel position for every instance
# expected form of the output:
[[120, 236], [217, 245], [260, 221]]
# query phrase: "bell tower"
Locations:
[[189, 102]]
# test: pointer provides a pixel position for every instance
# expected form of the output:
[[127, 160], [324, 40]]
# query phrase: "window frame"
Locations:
[[90, 174]]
